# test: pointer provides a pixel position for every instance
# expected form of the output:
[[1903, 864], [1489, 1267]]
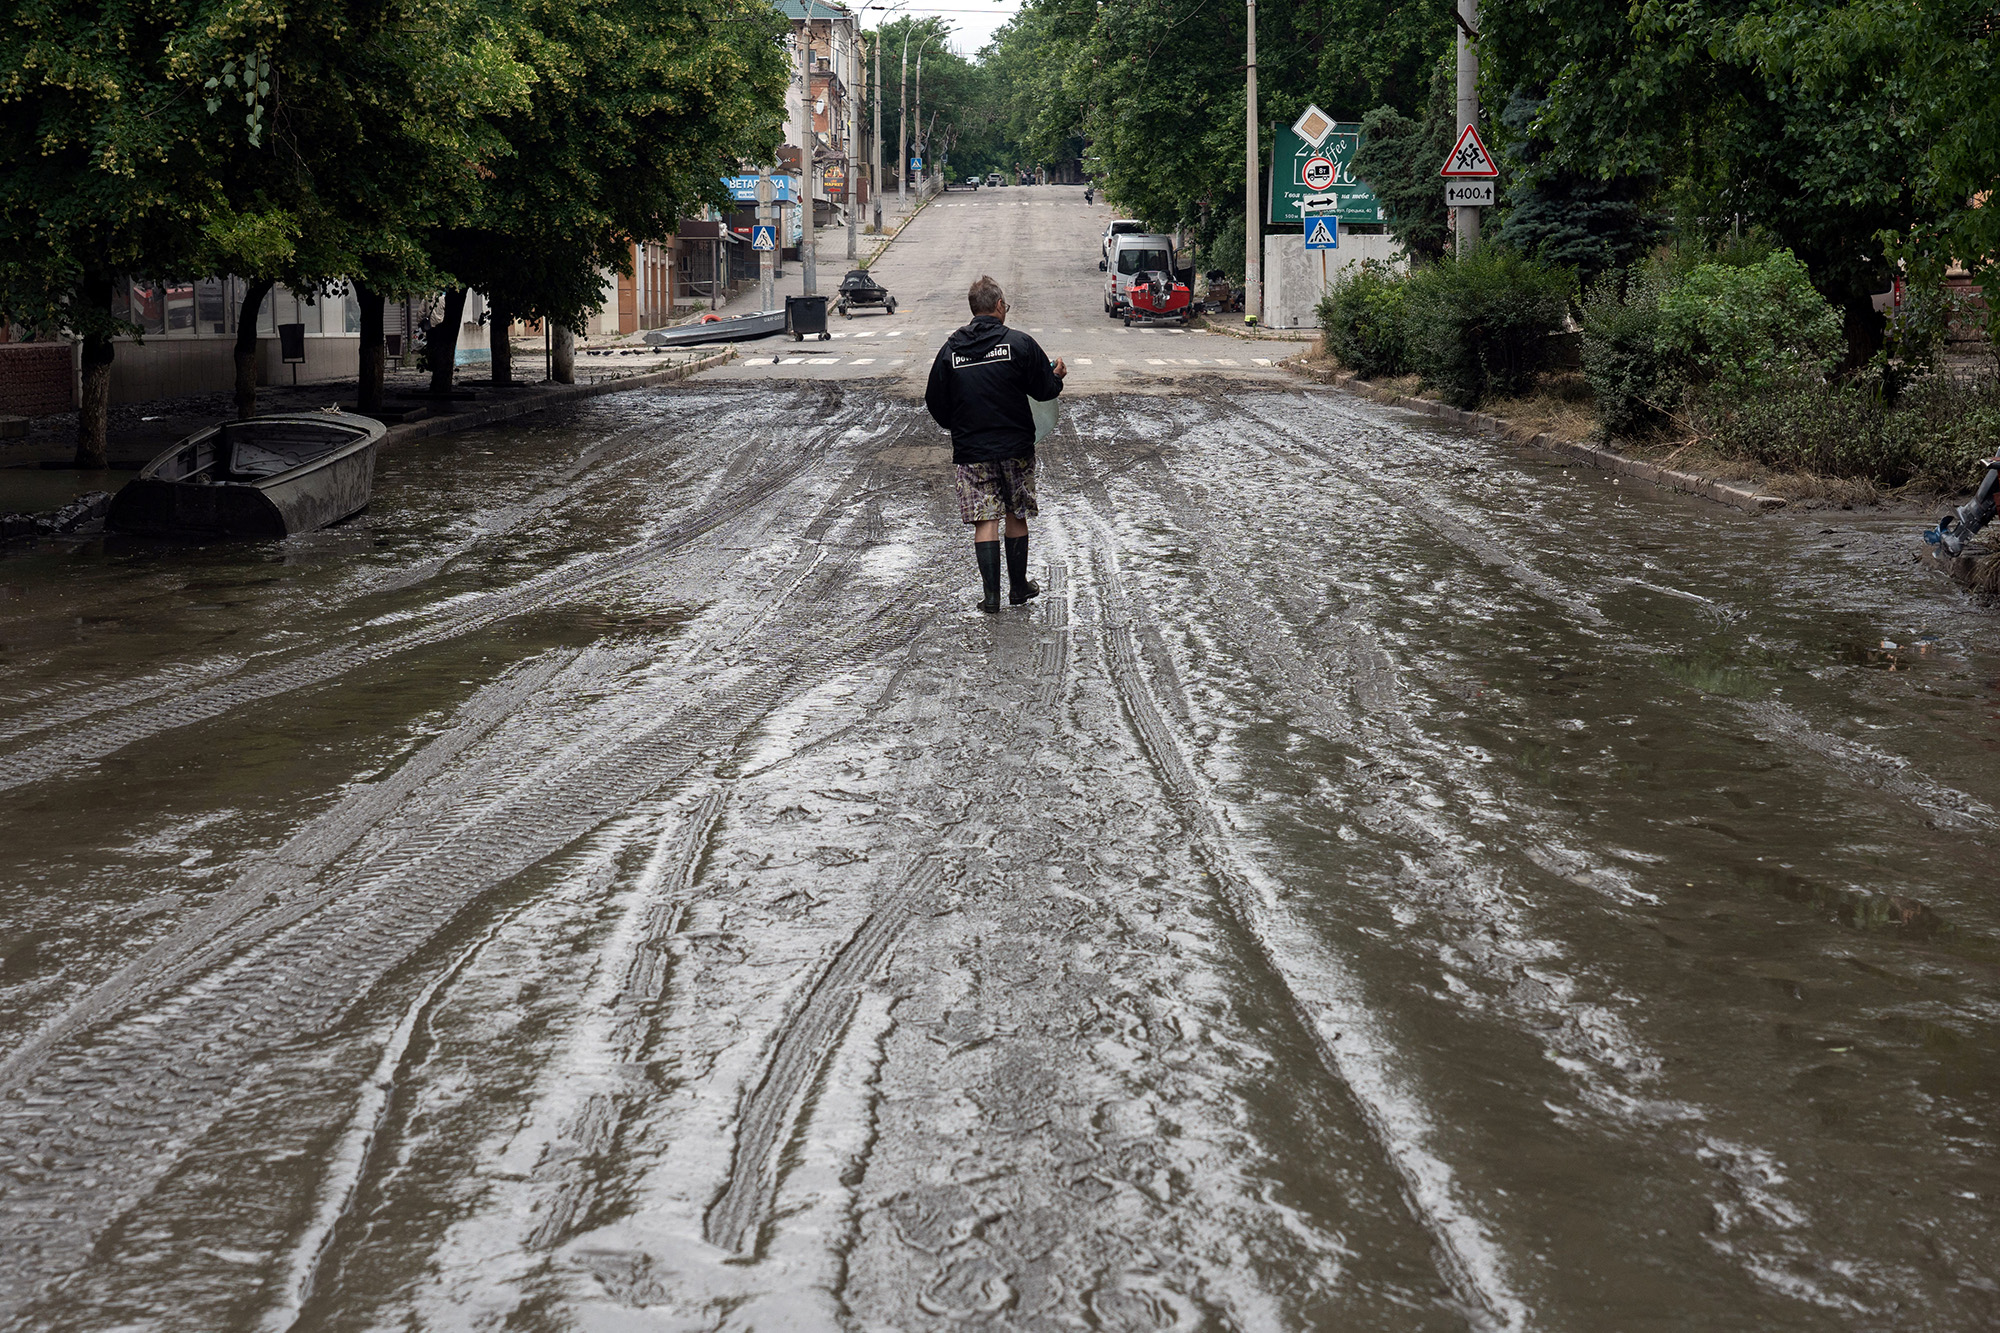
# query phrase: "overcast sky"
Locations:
[[973, 22]]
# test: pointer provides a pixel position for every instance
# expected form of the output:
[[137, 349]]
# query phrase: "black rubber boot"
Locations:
[[989, 574], [1019, 589]]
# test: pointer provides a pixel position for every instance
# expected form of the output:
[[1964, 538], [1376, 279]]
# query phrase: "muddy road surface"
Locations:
[[1387, 881]]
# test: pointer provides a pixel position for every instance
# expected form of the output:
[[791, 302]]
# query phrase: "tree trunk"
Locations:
[[562, 356], [246, 347], [499, 324], [442, 346], [374, 356], [1863, 326], [93, 416]]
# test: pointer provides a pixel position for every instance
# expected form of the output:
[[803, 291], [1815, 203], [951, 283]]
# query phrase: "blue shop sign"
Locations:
[[743, 189]]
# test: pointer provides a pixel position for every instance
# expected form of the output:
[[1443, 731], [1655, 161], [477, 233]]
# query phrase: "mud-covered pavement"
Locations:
[[1387, 881]]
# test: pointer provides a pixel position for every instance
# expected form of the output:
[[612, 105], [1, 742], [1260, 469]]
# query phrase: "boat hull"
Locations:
[[185, 492], [739, 329]]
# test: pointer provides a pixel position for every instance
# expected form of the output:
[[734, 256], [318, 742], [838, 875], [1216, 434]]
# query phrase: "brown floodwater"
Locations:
[[1387, 880]]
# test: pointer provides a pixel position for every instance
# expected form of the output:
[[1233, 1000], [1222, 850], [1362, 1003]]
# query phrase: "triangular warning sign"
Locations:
[[1319, 235], [1469, 157]]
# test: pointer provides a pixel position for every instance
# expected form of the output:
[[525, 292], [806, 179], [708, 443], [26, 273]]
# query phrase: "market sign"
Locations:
[[1315, 178]]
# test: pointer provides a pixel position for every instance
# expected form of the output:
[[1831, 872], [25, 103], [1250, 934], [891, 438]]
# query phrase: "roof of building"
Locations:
[[812, 9]]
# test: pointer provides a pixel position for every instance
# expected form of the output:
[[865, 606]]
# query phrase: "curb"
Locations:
[[563, 393], [890, 239], [1595, 455], [1261, 334]]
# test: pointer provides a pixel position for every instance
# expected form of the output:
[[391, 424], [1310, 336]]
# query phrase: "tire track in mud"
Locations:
[[301, 967], [196, 943], [802, 1049], [1326, 1001], [458, 618], [1614, 1066], [1888, 773]]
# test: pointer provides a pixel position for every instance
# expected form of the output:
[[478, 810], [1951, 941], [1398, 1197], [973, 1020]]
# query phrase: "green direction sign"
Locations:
[[1309, 180]]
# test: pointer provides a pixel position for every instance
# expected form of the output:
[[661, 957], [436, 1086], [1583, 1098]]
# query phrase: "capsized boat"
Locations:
[[270, 476], [737, 328]]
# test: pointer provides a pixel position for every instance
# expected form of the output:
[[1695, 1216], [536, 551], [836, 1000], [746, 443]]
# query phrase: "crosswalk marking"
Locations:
[[1083, 361], [864, 360], [1260, 360], [1151, 360]]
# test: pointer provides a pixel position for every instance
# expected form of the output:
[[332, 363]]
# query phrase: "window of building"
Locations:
[[212, 307], [149, 305]]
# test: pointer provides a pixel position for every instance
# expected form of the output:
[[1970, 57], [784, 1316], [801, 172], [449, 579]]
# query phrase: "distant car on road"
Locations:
[[973, 181], [996, 180], [1115, 228]]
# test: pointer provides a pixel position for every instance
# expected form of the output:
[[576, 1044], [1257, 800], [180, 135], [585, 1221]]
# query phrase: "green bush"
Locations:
[[1933, 435], [1479, 325], [1361, 320], [1630, 377], [1745, 327]]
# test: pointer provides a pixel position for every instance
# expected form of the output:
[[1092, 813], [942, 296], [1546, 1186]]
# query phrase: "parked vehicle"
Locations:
[[973, 181], [996, 180], [270, 476], [1158, 298], [1115, 227], [858, 290], [1132, 254]]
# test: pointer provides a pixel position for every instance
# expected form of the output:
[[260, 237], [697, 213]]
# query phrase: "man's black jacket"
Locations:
[[979, 390]]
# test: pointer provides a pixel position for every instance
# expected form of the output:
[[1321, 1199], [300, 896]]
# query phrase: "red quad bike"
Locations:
[[1156, 298]]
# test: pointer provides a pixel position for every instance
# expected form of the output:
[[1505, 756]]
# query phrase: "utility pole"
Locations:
[[767, 281], [1253, 222], [1468, 109], [903, 130], [855, 66], [806, 218], [922, 134], [875, 140]]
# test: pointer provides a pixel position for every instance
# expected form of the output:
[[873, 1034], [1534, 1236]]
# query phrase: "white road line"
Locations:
[[893, 333], [864, 360], [823, 360], [1083, 361], [1151, 360], [793, 360], [1225, 361], [1260, 360]]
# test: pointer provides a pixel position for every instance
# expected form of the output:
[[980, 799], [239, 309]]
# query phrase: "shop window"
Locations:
[[180, 307], [149, 305], [211, 306]]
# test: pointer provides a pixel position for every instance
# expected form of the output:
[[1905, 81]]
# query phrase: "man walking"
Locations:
[[979, 389]]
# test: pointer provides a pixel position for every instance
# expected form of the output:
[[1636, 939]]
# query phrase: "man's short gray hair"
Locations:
[[985, 296]]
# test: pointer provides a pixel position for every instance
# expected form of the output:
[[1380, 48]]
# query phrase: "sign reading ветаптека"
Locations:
[[1311, 179]]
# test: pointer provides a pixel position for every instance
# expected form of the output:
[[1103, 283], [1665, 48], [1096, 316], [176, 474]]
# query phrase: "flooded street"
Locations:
[[1390, 880]]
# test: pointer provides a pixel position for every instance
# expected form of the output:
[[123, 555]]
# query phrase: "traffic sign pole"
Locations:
[[1253, 228], [767, 283], [1467, 219]]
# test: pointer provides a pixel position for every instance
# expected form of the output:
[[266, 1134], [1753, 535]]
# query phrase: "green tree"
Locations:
[[634, 112]]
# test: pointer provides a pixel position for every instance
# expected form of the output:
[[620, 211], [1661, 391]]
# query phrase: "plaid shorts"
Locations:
[[988, 491]]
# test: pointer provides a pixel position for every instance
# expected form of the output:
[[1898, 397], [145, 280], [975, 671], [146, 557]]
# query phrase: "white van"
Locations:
[[1131, 255]]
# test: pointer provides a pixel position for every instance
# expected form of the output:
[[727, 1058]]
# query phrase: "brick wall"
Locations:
[[35, 379]]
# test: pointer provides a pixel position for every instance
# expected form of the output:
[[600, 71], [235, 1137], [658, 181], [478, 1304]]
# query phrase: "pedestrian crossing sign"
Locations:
[[1323, 234], [763, 238]]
